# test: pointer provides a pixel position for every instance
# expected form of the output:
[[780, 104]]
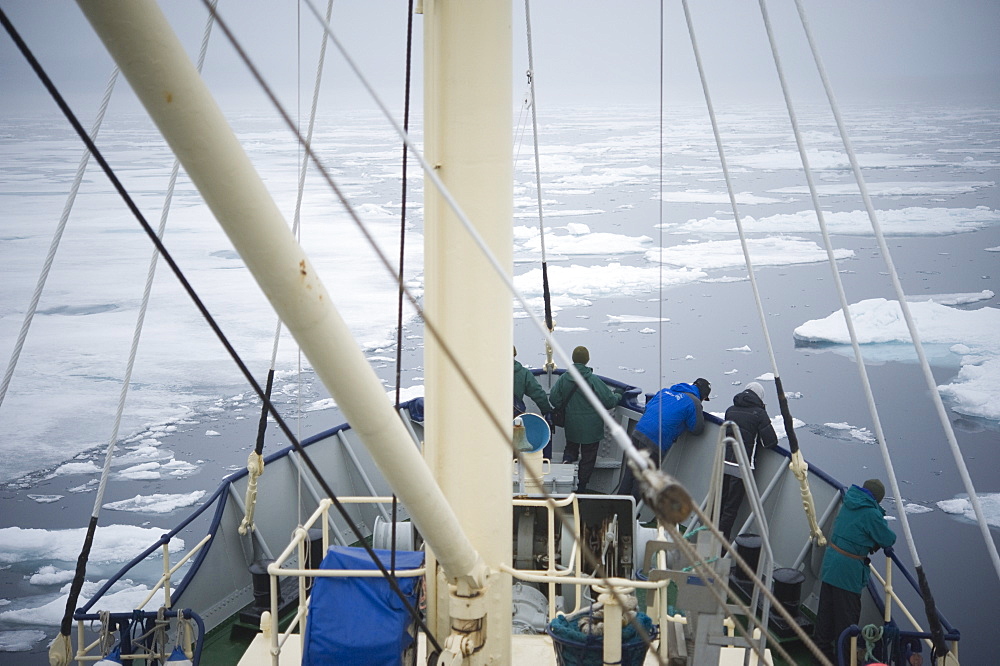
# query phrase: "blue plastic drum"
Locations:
[[536, 430]]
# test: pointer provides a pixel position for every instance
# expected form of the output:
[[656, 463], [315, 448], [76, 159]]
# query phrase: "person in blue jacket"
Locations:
[[584, 426], [859, 530], [669, 413]]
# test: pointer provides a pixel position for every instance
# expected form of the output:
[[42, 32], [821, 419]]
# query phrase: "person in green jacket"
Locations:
[[859, 530], [526, 384], [584, 426]]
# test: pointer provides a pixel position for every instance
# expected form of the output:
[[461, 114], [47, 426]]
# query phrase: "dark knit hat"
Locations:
[[581, 355], [875, 487], [704, 388]]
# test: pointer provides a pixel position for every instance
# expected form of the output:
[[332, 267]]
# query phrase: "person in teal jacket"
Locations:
[[584, 426], [859, 530]]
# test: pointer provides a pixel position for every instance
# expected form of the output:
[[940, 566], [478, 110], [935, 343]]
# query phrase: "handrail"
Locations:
[[916, 586], [297, 544], [127, 617], [891, 595], [545, 577], [164, 581], [732, 437], [575, 562]]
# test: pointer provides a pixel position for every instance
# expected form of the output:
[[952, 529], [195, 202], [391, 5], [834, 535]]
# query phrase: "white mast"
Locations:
[[468, 117], [147, 51]]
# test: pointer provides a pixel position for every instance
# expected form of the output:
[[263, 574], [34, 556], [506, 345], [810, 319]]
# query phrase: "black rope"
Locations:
[[402, 249], [130, 203], [429, 326], [262, 425], [545, 294], [786, 416], [937, 632]]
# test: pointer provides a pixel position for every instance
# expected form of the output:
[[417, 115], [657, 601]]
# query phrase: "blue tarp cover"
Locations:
[[360, 621]]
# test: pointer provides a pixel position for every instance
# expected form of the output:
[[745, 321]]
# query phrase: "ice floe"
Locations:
[[157, 503], [962, 507], [911, 221], [112, 543], [729, 253], [970, 335]]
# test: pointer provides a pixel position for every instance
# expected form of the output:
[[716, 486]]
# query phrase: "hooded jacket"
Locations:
[[860, 529], [525, 383], [755, 427], [669, 413], [583, 424]]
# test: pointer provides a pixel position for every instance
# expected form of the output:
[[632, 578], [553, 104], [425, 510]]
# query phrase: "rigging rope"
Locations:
[[617, 432], [402, 249], [798, 465], [255, 461], [81, 567], [720, 590], [904, 306], [199, 304], [614, 428], [928, 598], [56, 239], [659, 203], [549, 324]]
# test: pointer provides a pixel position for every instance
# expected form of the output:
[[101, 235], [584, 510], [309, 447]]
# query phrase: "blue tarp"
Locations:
[[360, 621]]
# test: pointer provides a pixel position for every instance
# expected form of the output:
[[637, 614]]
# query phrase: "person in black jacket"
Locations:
[[755, 426]]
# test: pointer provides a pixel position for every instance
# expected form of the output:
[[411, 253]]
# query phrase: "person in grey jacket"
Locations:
[[584, 426], [749, 414]]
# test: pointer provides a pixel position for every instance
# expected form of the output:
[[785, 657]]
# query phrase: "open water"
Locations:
[[190, 421]]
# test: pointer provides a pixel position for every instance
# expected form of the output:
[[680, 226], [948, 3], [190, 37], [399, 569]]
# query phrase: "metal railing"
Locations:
[[298, 545]]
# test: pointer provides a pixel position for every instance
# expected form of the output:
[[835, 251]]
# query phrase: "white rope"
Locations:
[[729, 188], [296, 219], [659, 217], [150, 274], [56, 239], [297, 232], [798, 460], [521, 126], [534, 128], [845, 307], [904, 306], [615, 428]]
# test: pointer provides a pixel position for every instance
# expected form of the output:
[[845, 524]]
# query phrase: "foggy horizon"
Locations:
[[876, 53]]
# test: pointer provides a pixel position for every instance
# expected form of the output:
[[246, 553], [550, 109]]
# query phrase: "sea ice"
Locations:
[[49, 575], [124, 597], [975, 391], [112, 543], [88, 467], [157, 503], [912, 221], [729, 253], [46, 499], [961, 506], [20, 640], [914, 509]]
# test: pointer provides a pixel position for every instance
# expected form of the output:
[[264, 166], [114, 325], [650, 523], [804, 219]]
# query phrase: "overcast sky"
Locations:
[[585, 51]]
